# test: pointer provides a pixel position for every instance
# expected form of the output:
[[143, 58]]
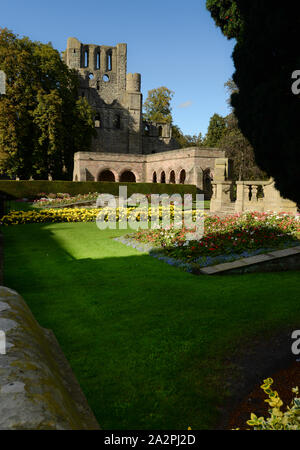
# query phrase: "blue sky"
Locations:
[[170, 42]]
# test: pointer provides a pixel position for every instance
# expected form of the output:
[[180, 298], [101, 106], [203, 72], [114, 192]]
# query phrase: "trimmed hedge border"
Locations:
[[29, 189]]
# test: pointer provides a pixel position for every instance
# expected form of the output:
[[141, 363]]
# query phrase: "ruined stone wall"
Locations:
[[196, 163], [38, 389], [114, 95], [88, 166], [157, 137]]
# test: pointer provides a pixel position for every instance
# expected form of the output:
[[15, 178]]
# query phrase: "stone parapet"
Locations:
[[38, 389]]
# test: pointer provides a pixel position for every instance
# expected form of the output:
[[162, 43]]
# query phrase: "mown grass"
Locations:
[[15, 205], [146, 341]]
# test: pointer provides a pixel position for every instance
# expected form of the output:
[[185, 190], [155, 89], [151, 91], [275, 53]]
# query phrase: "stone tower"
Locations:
[[114, 95]]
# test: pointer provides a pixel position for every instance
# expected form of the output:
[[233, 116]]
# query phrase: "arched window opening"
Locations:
[[86, 58], [98, 60], [207, 185], [160, 130], [106, 175], [98, 85], [206, 179], [154, 178], [117, 122], [163, 177], [128, 177], [182, 176], [146, 130], [172, 177], [97, 121], [109, 61]]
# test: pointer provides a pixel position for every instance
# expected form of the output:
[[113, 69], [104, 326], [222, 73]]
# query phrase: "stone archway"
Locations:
[[128, 177], [172, 178], [182, 176], [163, 177], [207, 185], [106, 175]]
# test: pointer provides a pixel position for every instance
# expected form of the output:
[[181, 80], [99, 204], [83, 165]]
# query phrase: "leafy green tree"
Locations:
[[42, 120], [238, 149], [215, 131], [227, 16], [157, 107], [185, 140], [265, 58]]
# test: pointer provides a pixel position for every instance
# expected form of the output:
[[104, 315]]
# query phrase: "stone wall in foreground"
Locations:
[[38, 389]]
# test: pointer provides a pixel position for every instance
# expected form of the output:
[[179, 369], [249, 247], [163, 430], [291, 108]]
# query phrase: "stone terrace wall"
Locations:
[[194, 161], [37, 387]]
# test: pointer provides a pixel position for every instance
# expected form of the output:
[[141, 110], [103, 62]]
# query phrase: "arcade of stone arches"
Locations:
[[129, 176]]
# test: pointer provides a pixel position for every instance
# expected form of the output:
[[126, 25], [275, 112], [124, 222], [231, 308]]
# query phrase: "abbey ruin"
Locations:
[[126, 147]]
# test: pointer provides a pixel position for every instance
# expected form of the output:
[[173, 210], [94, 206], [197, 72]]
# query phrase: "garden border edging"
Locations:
[[273, 261]]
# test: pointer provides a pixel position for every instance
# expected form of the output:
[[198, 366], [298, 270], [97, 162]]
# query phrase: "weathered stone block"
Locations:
[[37, 387]]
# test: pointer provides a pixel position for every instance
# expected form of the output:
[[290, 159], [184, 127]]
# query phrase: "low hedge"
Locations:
[[30, 189]]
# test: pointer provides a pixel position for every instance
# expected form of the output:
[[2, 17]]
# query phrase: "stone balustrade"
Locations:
[[261, 196]]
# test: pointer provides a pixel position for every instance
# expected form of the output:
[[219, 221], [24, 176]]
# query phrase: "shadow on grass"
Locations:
[[146, 341]]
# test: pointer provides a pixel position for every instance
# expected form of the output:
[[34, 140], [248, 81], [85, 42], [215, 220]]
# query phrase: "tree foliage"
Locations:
[[157, 107], [238, 149], [186, 140], [42, 121], [215, 131], [267, 110], [227, 16]]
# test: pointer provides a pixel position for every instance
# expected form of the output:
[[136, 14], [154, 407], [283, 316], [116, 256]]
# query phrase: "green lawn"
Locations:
[[146, 341], [18, 206]]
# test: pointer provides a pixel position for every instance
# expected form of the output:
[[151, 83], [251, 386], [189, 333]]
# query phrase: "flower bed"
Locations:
[[224, 240], [61, 199], [89, 215], [50, 216]]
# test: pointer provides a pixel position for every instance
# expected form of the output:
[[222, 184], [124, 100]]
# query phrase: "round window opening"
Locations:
[[91, 76], [105, 78]]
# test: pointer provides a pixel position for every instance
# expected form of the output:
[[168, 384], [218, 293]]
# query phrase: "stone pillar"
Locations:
[[221, 196], [221, 169], [133, 101], [221, 187], [239, 204], [274, 202]]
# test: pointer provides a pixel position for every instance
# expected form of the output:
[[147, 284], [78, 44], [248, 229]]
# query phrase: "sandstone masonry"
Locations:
[[127, 148]]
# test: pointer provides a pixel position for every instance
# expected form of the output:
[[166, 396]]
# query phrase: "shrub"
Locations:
[[278, 420], [30, 189]]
